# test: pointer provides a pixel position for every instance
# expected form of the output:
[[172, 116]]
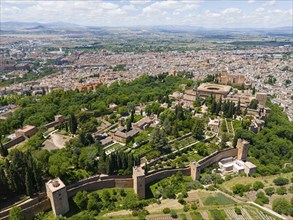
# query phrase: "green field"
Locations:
[[196, 216], [217, 214], [218, 199]]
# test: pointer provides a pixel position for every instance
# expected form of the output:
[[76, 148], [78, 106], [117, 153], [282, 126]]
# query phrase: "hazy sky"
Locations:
[[204, 13]]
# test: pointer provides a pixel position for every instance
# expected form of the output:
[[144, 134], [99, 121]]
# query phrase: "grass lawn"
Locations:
[[218, 199], [267, 180], [196, 216], [217, 214]]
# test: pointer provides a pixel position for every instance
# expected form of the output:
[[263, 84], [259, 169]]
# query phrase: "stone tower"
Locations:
[[242, 149], [56, 192], [138, 177], [194, 170]]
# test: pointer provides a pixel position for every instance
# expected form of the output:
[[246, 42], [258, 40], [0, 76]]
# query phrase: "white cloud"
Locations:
[[231, 11], [272, 2], [154, 12], [139, 2], [259, 9], [251, 1]]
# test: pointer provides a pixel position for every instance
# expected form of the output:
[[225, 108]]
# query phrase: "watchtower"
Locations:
[[194, 170], [242, 149], [56, 192], [138, 177]]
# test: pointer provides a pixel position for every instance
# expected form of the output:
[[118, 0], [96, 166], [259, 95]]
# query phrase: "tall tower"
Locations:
[[56, 192], [138, 177], [194, 170], [242, 149]]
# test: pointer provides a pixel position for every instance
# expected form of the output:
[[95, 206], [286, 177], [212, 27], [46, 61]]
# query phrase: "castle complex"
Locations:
[[58, 193]]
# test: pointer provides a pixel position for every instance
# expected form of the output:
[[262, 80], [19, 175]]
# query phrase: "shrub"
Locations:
[[281, 206], [281, 191], [193, 206], [122, 192], [16, 213], [182, 217], [166, 210], [261, 198], [184, 194], [135, 213], [270, 191], [173, 214], [281, 181], [182, 201], [185, 208], [81, 199], [257, 185], [237, 211], [211, 188]]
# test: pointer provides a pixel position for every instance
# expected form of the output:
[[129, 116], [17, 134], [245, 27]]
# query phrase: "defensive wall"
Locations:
[[164, 173], [137, 181], [216, 157], [14, 141]]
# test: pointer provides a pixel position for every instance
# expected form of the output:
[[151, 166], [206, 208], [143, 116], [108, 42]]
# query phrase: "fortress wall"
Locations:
[[30, 209], [161, 174], [92, 186], [115, 177], [84, 181], [51, 124], [13, 142], [40, 207], [124, 183], [216, 157]]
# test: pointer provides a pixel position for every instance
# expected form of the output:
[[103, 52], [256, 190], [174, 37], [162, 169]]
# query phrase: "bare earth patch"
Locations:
[[117, 213], [56, 141], [166, 203]]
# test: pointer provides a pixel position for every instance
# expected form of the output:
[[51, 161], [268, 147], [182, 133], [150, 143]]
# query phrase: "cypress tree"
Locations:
[[146, 168], [73, 124], [219, 106], [214, 105], [230, 110], [3, 183], [28, 184], [3, 149], [238, 109]]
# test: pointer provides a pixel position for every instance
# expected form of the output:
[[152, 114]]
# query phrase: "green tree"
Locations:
[[281, 191], [253, 104], [257, 185], [72, 124], [3, 149], [281, 181], [198, 127], [28, 184], [281, 206], [81, 199], [270, 191], [16, 213], [59, 163], [261, 198]]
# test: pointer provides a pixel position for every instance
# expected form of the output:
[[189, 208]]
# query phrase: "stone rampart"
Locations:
[[217, 156], [14, 141], [161, 174]]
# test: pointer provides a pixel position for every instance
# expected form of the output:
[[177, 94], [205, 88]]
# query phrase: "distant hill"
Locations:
[[60, 27]]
